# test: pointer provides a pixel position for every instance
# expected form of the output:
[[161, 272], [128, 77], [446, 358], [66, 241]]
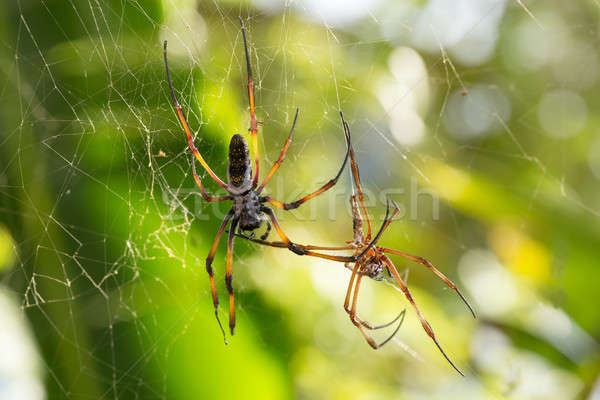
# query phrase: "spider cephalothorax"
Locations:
[[373, 267], [249, 210]]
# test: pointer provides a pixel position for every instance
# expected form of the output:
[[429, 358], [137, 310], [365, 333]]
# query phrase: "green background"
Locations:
[[103, 236]]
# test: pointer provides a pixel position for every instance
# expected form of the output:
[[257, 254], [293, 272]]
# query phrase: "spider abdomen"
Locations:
[[239, 169]]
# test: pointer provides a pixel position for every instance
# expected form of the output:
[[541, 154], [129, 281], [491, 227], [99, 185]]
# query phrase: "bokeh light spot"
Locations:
[[562, 113], [479, 112]]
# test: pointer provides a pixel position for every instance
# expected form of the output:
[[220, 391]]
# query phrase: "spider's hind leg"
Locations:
[[229, 275], [243, 234], [266, 234], [357, 321], [424, 322]]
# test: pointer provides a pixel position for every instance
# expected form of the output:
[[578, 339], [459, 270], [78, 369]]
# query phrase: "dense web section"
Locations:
[[450, 117]]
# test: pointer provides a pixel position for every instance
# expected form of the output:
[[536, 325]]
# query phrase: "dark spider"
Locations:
[[373, 261], [248, 211]]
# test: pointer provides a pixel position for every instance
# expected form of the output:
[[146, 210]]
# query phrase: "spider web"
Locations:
[[476, 116]]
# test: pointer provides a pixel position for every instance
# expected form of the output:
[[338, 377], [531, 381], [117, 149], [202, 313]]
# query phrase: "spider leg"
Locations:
[[281, 156], [188, 133], [292, 246], [209, 260], [242, 234], [306, 250], [327, 186], [287, 243], [311, 247], [359, 323], [266, 234], [350, 285], [356, 175], [369, 326], [426, 263], [253, 123], [386, 222], [401, 315], [409, 297], [352, 311], [202, 191], [349, 310], [229, 275], [300, 246]]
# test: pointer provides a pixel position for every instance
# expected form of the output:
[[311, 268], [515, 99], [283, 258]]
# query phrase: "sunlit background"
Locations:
[[476, 116]]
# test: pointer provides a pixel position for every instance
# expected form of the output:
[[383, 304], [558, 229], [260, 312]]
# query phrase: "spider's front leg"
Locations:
[[253, 122], [325, 187], [190, 139]]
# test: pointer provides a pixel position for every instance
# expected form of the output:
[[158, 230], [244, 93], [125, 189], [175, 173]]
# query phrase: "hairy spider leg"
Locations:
[[426, 263], [281, 156], [229, 274], [409, 297], [188, 133], [327, 186], [253, 123], [209, 260], [356, 176]]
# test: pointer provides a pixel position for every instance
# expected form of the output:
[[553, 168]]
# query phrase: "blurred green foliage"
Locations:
[[103, 236]]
